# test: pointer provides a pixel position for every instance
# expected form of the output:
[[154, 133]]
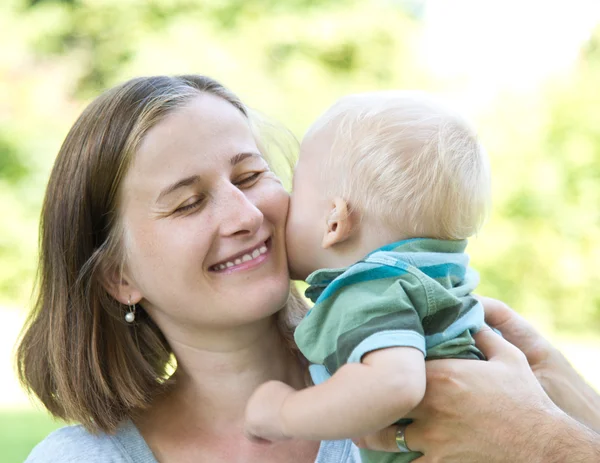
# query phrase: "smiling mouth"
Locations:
[[246, 258]]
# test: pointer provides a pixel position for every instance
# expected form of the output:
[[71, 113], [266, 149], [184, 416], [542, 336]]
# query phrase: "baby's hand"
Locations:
[[263, 412]]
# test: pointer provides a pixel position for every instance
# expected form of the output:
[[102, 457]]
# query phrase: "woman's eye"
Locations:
[[190, 205], [248, 179]]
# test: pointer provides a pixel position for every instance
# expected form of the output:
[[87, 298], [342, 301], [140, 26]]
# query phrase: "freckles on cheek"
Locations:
[[150, 239], [143, 251]]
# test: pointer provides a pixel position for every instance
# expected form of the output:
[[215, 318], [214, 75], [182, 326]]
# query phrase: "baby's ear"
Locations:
[[339, 225]]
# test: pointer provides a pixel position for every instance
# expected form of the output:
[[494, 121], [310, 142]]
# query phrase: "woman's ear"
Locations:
[[339, 224], [119, 286]]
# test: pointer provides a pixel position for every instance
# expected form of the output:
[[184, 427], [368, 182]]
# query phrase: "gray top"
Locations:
[[73, 444]]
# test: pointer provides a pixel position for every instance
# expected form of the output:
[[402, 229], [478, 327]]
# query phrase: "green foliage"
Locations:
[[540, 250], [105, 35], [12, 164], [20, 431], [292, 59]]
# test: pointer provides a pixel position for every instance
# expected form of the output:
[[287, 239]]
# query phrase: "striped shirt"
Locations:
[[413, 293]]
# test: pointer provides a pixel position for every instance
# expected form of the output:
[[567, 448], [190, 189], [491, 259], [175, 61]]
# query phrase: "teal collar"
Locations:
[[320, 279]]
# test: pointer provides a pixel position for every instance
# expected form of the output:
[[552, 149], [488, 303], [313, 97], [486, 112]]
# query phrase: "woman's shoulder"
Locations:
[[74, 444]]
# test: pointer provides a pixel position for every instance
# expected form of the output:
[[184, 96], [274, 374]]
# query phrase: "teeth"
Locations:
[[245, 258]]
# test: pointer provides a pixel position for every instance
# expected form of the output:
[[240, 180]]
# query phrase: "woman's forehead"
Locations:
[[206, 129]]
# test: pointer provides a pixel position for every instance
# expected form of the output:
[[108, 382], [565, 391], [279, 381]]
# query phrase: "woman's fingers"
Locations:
[[516, 330], [383, 440], [497, 313], [513, 327], [492, 345], [413, 436]]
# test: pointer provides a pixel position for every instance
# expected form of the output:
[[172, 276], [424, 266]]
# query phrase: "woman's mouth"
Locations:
[[249, 259]]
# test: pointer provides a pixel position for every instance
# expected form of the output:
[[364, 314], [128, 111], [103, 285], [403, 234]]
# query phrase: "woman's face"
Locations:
[[204, 222]]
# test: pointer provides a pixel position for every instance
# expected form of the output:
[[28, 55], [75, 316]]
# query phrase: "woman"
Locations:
[[162, 237], [162, 233]]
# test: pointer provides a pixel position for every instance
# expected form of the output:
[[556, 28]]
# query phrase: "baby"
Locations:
[[388, 187]]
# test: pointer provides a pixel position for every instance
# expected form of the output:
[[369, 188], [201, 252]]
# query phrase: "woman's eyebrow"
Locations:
[[191, 180], [241, 156]]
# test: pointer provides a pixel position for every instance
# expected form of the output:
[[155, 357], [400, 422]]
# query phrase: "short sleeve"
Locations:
[[379, 309]]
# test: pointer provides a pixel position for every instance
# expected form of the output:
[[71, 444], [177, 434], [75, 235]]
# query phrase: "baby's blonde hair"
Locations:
[[406, 162]]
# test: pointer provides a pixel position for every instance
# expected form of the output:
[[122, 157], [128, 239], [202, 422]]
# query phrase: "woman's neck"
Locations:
[[214, 380]]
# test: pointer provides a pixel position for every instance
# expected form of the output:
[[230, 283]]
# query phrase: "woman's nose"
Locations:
[[239, 215]]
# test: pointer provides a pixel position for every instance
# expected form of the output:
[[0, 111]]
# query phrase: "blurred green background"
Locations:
[[526, 73]]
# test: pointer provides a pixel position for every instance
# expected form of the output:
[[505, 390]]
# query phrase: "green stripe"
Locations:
[[347, 342], [444, 316], [462, 346]]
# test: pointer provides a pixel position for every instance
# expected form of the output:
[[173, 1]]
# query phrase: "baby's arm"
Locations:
[[358, 399]]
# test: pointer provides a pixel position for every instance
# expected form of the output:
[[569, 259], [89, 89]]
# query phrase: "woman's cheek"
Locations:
[[276, 202]]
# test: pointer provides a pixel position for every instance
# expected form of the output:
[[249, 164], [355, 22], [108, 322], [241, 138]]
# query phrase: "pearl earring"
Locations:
[[130, 316]]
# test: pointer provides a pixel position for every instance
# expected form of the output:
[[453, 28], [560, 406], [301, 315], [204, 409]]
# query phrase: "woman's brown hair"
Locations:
[[77, 354]]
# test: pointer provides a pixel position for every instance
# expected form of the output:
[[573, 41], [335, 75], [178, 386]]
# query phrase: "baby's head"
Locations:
[[381, 167]]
